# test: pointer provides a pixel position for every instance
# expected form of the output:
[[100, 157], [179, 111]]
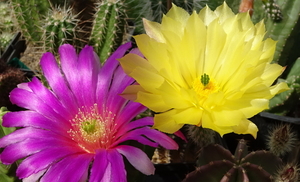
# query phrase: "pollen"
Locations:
[[205, 86], [92, 129]]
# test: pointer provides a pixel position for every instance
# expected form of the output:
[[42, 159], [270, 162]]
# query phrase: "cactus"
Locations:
[[284, 30], [285, 102], [60, 28], [281, 140], [6, 26], [218, 164], [190, 5], [108, 27], [29, 15], [5, 38], [288, 173], [155, 9], [201, 136]]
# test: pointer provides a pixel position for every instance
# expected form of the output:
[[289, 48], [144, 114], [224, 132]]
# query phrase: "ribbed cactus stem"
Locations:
[[108, 27], [281, 29], [28, 18], [285, 101], [190, 5], [59, 28], [218, 164]]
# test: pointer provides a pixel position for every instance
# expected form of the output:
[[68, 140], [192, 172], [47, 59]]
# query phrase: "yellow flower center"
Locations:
[[205, 86], [91, 129]]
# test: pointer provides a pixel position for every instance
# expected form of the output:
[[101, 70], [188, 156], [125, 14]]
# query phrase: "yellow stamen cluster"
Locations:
[[91, 129], [205, 86]]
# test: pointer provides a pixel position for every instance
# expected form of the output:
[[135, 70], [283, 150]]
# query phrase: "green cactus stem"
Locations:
[[29, 15], [285, 101], [60, 28], [282, 28], [191, 5], [108, 27], [218, 164], [273, 10]]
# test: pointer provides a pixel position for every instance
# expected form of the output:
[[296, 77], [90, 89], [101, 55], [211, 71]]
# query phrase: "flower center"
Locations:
[[205, 86], [91, 129]]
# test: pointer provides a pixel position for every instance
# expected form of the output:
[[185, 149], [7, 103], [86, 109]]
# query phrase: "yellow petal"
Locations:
[[228, 48], [153, 30], [281, 87], [165, 123], [178, 14], [131, 91], [224, 12], [192, 116], [207, 15], [132, 61], [246, 127], [152, 101], [208, 122], [224, 118]]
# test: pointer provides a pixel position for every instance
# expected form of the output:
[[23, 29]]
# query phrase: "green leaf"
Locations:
[[3, 130]]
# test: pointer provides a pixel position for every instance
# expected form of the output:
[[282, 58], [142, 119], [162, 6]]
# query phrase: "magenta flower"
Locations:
[[76, 130]]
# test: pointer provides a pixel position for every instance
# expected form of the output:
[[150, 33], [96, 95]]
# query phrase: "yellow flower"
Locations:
[[211, 69]]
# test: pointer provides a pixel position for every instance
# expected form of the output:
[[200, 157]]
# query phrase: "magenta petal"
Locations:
[[69, 65], [136, 135], [89, 67], [130, 111], [115, 171], [33, 133], [48, 97], [99, 166], [72, 168], [137, 52], [161, 138], [180, 135], [137, 158], [29, 146], [107, 71], [119, 82], [146, 121], [42, 160], [29, 100], [34, 177], [57, 81], [12, 152], [148, 136], [31, 119]]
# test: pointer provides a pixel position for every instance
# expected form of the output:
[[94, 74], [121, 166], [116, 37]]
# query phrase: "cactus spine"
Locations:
[[288, 173], [29, 15], [281, 140], [108, 29], [201, 136], [60, 28]]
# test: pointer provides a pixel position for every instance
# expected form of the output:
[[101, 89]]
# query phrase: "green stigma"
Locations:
[[204, 79], [89, 126]]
